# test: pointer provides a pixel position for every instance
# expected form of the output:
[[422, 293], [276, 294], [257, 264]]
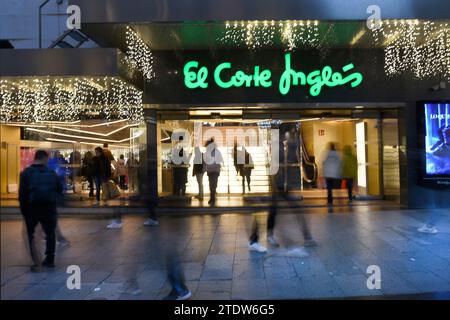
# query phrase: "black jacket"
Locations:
[[46, 189]]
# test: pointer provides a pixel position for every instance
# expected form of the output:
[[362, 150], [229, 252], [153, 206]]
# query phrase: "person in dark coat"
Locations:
[[38, 194]]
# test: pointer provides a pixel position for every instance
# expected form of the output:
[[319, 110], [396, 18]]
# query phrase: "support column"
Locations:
[[149, 185]]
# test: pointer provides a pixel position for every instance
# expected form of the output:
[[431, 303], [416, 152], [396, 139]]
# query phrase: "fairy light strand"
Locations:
[[62, 99]]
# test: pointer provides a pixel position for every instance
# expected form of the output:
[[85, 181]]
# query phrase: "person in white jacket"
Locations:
[[332, 170]]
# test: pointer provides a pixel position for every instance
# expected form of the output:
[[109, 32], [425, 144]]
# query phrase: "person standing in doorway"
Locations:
[[198, 171], [332, 167], [38, 193], [213, 162], [102, 172], [180, 166], [349, 170], [121, 171], [88, 171]]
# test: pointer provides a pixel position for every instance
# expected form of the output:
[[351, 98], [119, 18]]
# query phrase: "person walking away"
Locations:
[[108, 154], [102, 172], [248, 167], [132, 169], [180, 165], [38, 192], [331, 170], [349, 170], [88, 171], [121, 171], [238, 165], [213, 161], [198, 171]]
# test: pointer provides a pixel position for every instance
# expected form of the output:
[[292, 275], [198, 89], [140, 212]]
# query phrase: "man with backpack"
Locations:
[[38, 192]]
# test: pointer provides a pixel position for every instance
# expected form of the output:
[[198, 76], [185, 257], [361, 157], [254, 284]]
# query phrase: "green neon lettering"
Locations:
[[218, 80], [240, 78], [316, 79], [194, 79]]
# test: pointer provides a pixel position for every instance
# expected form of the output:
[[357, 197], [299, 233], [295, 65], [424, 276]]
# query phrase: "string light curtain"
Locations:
[[419, 47], [62, 99], [138, 54], [259, 34]]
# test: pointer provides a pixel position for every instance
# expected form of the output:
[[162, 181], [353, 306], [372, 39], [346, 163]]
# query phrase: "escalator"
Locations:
[[300, 168], [309, 166]]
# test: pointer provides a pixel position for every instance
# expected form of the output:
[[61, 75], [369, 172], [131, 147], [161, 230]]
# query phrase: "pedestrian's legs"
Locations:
[[49, 226], [213, 178], [199, 177], [307, 236], [349, 183], [243, 183], [31, 223], [90, 180], [255, 231], [248, 176], [59, 236], [176, 274], [98, 185], [271, 218], [329, 182]]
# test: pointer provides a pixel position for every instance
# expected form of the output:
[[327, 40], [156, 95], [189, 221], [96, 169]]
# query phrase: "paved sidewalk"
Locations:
[[218, 264]]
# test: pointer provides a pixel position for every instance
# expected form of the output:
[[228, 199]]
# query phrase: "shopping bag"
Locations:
[[114, 191], [105, 191]]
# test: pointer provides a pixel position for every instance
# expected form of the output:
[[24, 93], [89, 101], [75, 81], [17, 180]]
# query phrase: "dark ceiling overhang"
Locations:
[[59, 62], [125, 11]]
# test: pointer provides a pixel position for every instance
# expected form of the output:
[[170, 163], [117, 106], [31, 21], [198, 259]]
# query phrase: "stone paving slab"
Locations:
[[218, 265]]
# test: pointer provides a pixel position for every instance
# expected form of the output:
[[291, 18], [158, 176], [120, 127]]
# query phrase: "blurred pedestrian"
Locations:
[[38, 193], [243, 163], [180, 166], [198, 171], [121, 171], [349, 170], [88, 171], [102, 172], [332, 170], [213, 162]]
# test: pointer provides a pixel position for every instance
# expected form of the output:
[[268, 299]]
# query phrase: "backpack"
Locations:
[[42, 186]]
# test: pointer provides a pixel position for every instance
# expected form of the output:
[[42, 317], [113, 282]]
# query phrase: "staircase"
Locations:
[[229, 180]]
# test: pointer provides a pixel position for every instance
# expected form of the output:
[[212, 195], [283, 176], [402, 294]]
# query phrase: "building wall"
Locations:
[[19, 21], [9, 157]]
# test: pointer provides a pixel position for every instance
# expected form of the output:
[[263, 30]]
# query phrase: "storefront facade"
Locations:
[[209, 70]]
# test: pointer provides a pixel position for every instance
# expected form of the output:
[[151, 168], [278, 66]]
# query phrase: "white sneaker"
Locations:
[[185, 296], [151, 222], [426, 229], [114, 225], [297, 252], [96, 204], [273, 241], [63, 243], [257, 247]]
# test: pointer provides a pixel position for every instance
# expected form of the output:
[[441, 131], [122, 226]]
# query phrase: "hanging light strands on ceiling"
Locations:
[[62, 99], [138, 54]]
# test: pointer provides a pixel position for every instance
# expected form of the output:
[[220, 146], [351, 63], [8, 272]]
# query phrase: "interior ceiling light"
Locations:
[[96, 133], [87, 143], [83, 137]]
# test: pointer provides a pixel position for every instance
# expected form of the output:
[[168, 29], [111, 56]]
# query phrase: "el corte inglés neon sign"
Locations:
[[196, 77]]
